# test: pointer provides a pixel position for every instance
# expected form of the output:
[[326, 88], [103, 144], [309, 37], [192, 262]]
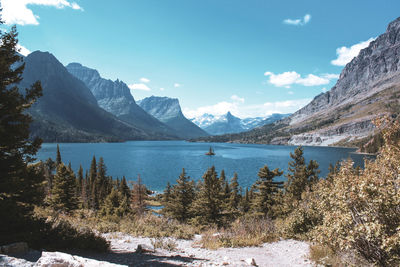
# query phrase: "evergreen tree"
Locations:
[[245, 202], [20, 186], [139, 196], [63, 194], [333, 170], [207, 206], [297, 178], [124, 188], [265, 190], [234, 197], [182, 194], [58, 156], [91, 185], [115, 205], [166, 200], [49, 167], [312, 173], [80, 183], [101, 184]]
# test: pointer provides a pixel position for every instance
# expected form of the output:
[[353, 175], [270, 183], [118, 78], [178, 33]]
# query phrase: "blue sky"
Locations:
[[252, 57]]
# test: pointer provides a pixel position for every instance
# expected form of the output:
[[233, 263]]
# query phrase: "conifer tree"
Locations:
[[207, 206], [234, 197], [17, 181], [297, 176], [124, 188], [79, 182], [58, 157], [91, 185], [265, 190], [115, 205], [166, 200], [182, 197], [63, 194], [139, 196], [245, 202]]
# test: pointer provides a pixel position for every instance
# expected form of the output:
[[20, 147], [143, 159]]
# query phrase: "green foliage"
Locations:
[[18, 183], [63, 194], [265, 190], [179, 198], [139, 196], [115, 206], [207, 206]]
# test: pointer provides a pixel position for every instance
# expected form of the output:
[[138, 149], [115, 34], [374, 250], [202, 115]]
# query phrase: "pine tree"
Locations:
[[18, 182], [91, 185], [63, 194], [207, 206], [124, 188], [58, 157], [245, 202], [166, 200], [234, 197], [265, 190], [115, 205], [182, 195], [139, 196], [297, 176], [101, 184], [80, 183]]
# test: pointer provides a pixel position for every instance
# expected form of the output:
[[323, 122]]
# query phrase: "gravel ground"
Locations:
[[124, 251], [189, 253]]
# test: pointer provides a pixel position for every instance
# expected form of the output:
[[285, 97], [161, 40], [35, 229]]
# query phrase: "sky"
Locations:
[[250, 57]]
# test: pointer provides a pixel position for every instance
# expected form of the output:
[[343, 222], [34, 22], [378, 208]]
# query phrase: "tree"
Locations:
[[17, 180], [300, 176], [124, 188], [115, 205], [208, 206], [181, 198], [234, 197], [139, 196], [63, 194], [58, 157], [265, 190], [90, 185]]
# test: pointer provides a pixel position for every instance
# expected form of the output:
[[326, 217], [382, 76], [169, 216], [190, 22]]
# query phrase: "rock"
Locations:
[[14, 262], [14, 248], [251, 261], [59, 259], [142, 248]]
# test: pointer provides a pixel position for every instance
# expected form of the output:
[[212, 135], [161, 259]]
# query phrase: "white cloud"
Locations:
[[176, 85], [23, 50], [162, 89], [235, 98], [346, 54], [139, 86], [17, 12], [144, 80], [288, 78], [247, 111], [298, 22]]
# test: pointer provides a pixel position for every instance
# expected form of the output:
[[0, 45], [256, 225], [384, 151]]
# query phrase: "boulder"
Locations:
[[59, 259]]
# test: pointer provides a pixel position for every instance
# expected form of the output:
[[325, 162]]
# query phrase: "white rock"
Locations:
[[59, 259], [14, 262]]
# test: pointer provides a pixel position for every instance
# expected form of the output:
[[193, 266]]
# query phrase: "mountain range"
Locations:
[[368, 88], [168, 111], [228, 123]]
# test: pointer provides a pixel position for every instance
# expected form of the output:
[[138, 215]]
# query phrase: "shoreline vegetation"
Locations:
[[351, 215]]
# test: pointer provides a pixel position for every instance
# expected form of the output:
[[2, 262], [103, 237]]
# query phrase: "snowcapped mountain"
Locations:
[[228, 123]]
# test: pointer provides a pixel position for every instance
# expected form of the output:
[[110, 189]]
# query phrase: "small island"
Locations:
[[210, 152]]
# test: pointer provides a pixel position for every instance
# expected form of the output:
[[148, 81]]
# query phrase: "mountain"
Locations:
[[368, 88], [168, 111], [68, 111], [115, 97], [227, 123]]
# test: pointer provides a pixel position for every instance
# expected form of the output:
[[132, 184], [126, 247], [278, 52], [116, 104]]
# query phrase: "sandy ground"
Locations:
[[189, 253]]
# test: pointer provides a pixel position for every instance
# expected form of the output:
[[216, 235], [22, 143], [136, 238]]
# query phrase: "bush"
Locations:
[[361, 209]]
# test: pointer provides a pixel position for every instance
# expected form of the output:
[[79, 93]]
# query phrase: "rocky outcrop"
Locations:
[[115, 97], [168, 111], [59, 259], [368, 88]]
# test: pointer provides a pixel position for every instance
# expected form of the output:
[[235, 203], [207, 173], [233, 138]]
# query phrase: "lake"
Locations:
[[159, 162]]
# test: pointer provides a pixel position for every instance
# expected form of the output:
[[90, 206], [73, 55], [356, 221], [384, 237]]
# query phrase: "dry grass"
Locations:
[[243, 232]]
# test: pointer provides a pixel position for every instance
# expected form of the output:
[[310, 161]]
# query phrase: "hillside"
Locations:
[[168, 111], [115, 97], [368, 88], [68, 111]]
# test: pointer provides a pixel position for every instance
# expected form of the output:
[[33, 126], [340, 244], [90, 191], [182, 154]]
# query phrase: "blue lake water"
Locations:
[[159, 162]]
